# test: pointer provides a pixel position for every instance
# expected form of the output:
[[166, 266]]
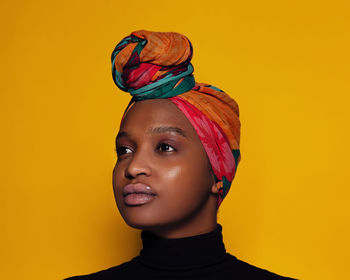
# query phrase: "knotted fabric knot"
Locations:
[[153, 64]]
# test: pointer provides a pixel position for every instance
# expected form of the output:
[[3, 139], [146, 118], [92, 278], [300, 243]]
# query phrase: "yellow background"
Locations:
[[286, 63]]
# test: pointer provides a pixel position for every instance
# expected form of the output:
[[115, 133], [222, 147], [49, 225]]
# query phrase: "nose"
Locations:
[[138, 165]]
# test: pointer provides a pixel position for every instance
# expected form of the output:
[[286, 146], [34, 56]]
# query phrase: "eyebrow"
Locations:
[[157, 130]]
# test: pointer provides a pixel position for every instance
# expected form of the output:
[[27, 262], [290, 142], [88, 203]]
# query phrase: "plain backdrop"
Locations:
[[286, 63]]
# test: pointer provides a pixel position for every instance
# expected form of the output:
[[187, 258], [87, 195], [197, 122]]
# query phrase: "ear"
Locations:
[[215, 187]]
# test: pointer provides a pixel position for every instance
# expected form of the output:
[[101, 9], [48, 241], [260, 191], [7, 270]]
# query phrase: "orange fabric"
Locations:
[[164, 48], [220, 108]]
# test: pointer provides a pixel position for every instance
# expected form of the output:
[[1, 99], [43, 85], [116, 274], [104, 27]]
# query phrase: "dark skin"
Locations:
[[173, 163]]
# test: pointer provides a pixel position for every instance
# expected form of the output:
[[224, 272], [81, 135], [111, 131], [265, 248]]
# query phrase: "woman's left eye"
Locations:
[[164, 147]]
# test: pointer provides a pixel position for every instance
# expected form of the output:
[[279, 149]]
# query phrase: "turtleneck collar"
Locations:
[[187, 252]]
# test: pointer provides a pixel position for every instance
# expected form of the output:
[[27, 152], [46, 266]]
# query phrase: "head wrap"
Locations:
[[152, 65]]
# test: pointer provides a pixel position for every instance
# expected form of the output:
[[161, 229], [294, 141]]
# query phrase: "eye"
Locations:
[[165, 147], [121, 150]]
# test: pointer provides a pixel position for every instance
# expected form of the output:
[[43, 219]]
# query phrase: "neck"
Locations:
[[176, 253], [202, 221]]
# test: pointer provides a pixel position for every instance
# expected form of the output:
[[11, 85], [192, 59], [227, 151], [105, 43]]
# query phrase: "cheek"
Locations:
[[118, 174], [118, 178], [185, 183], [114, 176]]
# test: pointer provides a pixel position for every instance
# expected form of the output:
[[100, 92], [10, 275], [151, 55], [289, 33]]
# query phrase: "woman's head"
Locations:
[[157, 146], [155, 68]]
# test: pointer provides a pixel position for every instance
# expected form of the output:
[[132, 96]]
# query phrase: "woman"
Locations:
[[178, 151]]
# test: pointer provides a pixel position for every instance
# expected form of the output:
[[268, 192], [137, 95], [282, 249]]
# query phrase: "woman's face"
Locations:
[[160, 153]]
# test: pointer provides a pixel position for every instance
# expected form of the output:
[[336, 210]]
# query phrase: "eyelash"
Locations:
[[118, 149]]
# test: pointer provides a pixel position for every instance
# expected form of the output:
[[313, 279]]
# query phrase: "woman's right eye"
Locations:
[[121, 150]]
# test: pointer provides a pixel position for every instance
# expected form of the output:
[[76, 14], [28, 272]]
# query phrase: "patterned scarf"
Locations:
[[152, 65]]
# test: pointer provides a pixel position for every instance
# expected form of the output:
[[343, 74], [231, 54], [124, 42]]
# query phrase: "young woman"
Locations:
[[178, 151]]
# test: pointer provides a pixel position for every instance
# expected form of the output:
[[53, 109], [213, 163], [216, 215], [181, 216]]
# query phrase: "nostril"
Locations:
[[138, 165], [129, 176]]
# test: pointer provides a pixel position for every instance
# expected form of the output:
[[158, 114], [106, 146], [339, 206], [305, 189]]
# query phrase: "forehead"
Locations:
[[151, 113]]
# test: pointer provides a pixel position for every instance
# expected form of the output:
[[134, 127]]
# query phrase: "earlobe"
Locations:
[[215, 188]]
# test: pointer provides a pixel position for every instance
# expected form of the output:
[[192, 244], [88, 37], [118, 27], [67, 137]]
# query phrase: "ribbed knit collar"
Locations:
[[182, 253]]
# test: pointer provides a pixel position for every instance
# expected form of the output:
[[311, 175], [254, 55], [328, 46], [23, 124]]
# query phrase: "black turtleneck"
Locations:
[[196, 257]]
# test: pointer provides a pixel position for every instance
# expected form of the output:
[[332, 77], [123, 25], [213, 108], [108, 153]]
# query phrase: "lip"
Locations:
[[138, 194]]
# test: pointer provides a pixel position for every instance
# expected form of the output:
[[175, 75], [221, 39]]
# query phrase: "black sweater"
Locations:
[[196, 257]]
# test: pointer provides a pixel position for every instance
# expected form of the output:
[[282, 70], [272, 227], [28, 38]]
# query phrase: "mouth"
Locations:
[[138, 194], [138, 198]]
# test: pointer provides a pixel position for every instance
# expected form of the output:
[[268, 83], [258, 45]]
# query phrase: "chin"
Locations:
[[144, 225], [140, 218]]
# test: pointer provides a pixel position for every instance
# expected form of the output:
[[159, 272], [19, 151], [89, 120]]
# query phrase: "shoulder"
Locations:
[[109, 273], [248, 271]]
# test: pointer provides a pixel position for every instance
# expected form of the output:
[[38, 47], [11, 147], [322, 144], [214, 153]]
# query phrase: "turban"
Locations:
[[152, 65]]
